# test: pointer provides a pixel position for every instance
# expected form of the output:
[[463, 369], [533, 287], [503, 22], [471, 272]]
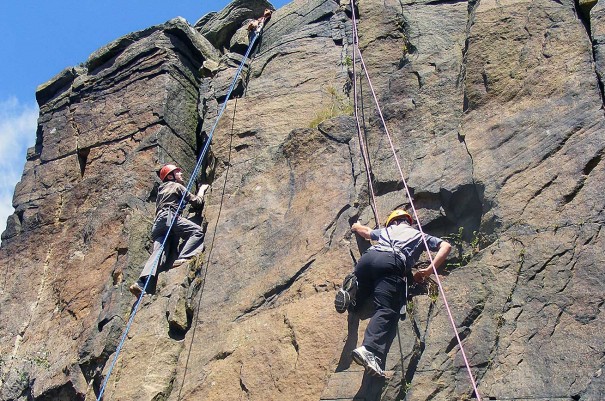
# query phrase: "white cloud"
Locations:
[[17, 132]]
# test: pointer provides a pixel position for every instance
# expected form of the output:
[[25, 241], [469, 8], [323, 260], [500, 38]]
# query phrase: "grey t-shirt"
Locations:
[[405, 241]]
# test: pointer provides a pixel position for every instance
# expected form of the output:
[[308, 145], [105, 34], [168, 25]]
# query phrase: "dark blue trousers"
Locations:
[[380, 274]]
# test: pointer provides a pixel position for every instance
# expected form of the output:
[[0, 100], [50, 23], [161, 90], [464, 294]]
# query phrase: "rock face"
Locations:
[[496, 111], [81, 226]]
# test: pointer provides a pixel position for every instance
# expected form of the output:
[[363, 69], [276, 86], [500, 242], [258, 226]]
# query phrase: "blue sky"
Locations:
[[41, 38]]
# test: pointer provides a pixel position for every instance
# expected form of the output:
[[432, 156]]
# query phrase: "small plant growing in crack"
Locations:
[[409, 307], [433, 291], [23, 379], [41, 359], [465, 250], [521, 257], [339, 105]]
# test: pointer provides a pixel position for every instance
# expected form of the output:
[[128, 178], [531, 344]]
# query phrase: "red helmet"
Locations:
[[167, 169]]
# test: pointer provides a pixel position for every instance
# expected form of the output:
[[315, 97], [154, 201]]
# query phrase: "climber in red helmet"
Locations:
[[382, 272], [170, 193]]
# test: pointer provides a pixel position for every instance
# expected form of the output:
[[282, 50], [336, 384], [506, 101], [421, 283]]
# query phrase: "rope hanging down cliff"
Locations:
[[256, 28], [356, 50]]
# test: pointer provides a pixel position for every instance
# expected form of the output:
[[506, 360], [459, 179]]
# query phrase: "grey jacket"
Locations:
[[170, 194], [405, 241]]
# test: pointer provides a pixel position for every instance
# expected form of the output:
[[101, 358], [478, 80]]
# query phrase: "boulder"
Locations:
[[219, 27]]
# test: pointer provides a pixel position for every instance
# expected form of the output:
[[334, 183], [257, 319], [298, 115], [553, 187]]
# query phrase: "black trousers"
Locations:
[[380, 274]]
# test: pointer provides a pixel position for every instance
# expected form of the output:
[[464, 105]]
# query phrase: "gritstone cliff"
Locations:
[[496, 108]]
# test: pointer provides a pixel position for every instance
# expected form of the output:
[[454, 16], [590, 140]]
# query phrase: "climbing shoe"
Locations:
[[345, 296], [136, 289], [368, 360]]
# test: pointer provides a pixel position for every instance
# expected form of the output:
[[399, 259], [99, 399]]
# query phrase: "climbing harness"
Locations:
[[254, 36], [407, 190]]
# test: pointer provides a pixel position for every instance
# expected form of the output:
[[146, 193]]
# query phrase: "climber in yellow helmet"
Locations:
[[382, 271], [170, 193]]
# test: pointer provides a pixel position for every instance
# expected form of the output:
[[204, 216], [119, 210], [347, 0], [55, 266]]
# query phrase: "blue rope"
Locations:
[[181, 206]]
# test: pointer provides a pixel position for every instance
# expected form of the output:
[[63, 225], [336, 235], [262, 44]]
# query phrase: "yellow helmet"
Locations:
[[397, 214]]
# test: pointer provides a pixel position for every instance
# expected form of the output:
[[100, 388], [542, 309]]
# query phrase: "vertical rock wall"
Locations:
[[496, 109], [85, 204], [536, 110]]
